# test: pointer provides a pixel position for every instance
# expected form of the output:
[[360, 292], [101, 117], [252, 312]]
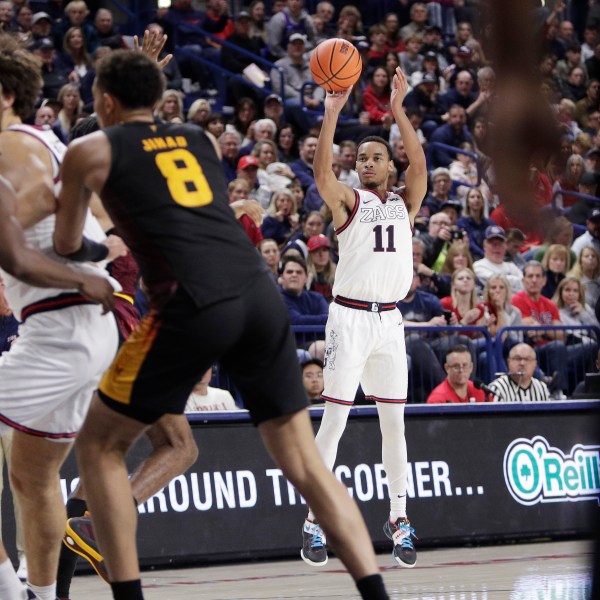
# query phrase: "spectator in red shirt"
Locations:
[[457, 387], [376, 99], [537, 310]]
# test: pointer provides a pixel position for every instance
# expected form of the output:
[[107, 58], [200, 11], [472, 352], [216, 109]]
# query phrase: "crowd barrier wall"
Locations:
[[476, 474]]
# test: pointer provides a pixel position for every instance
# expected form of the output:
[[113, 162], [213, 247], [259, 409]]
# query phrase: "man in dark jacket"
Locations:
[[236, 62]]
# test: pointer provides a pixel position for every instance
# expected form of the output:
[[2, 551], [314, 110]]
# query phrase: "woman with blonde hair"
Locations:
[[75, 53], [572, 307], [457, 257], [556, 263], [475, 221], [587, 270], [257, 13], [462, 301], [269, 250], [497, 295], [266, 153], [170, 106], [573, 310], [75, 14], [71, 107], [560, 231], [466, 310], [199, 112], [350, 24], [282, 217], [569, 180]]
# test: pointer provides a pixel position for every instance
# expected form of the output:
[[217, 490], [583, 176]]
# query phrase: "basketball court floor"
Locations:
[[532, 571]]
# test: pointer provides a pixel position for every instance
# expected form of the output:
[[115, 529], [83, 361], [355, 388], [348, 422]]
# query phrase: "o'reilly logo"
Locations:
[[535, 472]]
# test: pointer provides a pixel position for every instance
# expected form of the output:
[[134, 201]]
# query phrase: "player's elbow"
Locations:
[[20, 265], [418, 164], [323, 177], [14, 265], [63, 246]]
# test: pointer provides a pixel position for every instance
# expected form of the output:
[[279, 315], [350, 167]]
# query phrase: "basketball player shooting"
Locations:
[[364, 333]]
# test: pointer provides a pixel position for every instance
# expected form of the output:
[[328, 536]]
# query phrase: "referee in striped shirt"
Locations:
[[519, 385]]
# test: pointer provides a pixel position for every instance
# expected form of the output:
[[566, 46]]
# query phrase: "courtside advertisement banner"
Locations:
[[473, 475]]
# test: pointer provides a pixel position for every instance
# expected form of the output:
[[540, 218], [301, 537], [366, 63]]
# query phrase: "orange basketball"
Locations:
[[335, 65]]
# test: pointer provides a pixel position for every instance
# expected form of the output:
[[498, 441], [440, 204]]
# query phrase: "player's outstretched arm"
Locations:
[[337, 196], [33, 267], [416, 174]]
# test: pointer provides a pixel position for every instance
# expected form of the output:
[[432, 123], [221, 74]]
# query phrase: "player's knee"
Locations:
[[26, 484], [95, 448], [189, 451]]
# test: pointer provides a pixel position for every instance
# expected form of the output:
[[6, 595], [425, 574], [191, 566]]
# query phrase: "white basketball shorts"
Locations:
[[48, 376], [367, 348]]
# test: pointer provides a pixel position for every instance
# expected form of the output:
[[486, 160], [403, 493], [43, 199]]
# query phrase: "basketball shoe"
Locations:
[[314, 551], [80, 538], [401, 533]]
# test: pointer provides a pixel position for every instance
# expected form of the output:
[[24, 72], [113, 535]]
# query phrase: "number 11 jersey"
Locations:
[[375, 249]]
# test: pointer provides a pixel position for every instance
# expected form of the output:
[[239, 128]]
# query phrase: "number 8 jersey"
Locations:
[[177, 223], [375, 248]]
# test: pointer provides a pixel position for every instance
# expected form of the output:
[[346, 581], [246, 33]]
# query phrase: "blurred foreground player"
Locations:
[[173, 447], [66, 341], [211, 299]]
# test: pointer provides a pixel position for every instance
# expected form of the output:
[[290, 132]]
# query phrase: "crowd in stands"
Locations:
[[475, 264]]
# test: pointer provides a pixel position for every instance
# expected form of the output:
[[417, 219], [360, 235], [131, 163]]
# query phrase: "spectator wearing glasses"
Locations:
[[519, 385], [312, 379], [457, 388]]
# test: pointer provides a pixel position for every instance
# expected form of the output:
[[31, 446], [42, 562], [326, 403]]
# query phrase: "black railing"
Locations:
[[259, 60]]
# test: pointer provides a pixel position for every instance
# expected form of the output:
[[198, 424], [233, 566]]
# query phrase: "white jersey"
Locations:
[[375, 249], [39, 236]]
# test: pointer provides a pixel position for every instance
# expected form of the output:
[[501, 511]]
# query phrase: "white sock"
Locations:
[[43, 592], [10, 586], [394, 456], [333, 423]]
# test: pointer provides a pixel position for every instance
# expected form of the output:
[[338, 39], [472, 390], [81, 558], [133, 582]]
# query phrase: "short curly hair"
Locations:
[[20, 76], [133, 78]]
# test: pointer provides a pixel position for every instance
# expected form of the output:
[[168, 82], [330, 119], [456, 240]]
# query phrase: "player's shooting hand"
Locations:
[[335, 101], [116, 247], [399, 90], [98, 289], [152, 45]]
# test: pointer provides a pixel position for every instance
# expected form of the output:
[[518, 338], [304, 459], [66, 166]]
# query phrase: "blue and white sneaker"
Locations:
[[314, 551], [402, 534]]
